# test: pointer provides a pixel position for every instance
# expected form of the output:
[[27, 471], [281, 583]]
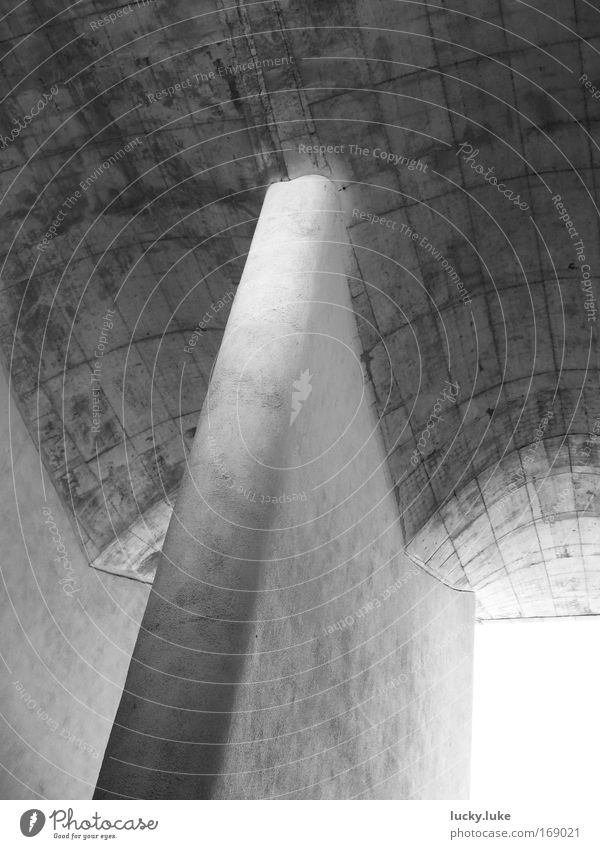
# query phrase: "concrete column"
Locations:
[[240, 685]]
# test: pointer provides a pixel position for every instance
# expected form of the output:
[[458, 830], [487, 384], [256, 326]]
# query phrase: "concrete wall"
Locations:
[[67, 632], [390, 93], [289, 647]]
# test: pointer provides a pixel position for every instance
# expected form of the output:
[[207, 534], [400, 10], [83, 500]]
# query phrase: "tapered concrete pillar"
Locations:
[[240, 685]]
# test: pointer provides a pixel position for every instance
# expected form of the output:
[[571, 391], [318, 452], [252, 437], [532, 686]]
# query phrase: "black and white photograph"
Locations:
[[300, 423]]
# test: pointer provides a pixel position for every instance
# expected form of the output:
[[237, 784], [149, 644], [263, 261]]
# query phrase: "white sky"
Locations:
[[536, 719]]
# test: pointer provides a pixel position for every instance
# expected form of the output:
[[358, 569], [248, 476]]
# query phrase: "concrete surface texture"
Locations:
[[137, 187], [67, 633], [290, 649]]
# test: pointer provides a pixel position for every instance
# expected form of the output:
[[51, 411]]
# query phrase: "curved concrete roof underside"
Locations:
[[501, 497]]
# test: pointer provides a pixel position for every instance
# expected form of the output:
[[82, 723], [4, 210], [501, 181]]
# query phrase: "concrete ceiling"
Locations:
[[502, 495]]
